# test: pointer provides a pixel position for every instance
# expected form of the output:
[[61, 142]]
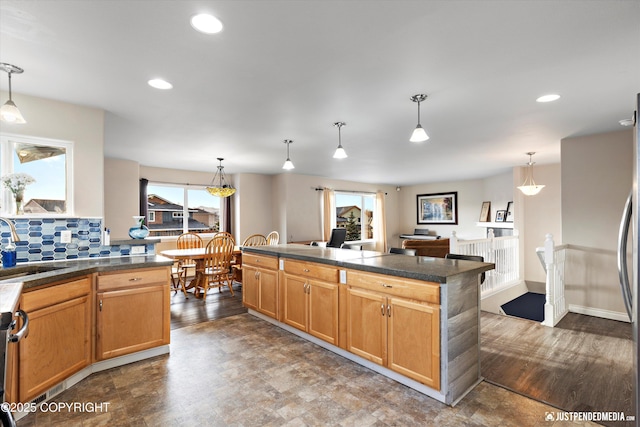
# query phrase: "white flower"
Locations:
[[17, 182]]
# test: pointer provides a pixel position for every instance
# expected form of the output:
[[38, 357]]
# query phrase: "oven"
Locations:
[[9, 298]]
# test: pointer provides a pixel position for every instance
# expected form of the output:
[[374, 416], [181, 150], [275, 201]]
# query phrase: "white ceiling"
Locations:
[[290, 69]]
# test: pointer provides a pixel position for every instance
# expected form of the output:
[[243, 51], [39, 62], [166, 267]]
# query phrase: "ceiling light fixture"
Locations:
[[340, 153], [288, 164], [548, 98], [9, 112], [419, 134], [160, 84], [529, 186], [221, 189], [205, 23]]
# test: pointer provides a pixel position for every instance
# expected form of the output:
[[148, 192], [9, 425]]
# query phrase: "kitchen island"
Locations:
[[413, 319]]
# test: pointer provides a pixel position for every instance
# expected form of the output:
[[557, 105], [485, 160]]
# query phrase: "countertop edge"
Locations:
[[471, 267], [73, 268]]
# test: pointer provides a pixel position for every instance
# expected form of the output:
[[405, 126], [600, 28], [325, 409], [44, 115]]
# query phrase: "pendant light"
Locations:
[[221, 188], [9, 112], [288, 164], [419, 134], [340, 153], [529, 186]]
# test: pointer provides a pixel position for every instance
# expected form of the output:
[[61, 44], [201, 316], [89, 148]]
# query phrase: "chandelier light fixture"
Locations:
[[529, 186], [220, 188], [9, 112], [340, 153], [288, 164], [419, 134]]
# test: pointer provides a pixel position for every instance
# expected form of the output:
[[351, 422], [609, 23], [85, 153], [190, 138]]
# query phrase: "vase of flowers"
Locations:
[[16, 183]]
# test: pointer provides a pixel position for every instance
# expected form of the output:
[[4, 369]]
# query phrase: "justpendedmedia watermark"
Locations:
[[56, 407], [595, 416]]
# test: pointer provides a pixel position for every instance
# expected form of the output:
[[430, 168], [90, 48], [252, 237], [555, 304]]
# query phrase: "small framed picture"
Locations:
[[485, 212], [500, 216], [508, 217]]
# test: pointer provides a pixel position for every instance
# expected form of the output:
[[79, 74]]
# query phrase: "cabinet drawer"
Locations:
[[131, 278], [396, 286], [39, 298], [311, 270], [260, 260]]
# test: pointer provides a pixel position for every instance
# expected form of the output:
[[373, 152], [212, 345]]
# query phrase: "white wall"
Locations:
[[538, 216], [84, 126], [121, 195], [253, 205], [596, 179], [303, 204], [471, 194]]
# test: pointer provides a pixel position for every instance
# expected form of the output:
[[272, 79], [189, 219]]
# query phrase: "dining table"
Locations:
[[198, 256]]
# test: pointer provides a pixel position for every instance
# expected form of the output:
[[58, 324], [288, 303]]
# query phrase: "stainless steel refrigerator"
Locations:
[[630, 227]]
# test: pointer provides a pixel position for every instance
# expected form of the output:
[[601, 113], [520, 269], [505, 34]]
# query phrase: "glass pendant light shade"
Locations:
[[419, 134], [9, 111], [529, 186], [340, 153], [220, 188], [288, 164]]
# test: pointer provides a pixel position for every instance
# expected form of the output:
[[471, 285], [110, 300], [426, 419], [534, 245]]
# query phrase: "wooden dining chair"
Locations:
[[217, 264], [188, 240], [255, 240], [273, 238]]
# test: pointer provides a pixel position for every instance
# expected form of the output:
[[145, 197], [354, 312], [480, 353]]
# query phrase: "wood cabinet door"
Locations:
[[268, 292], [323, 310], [58, 345], [295, 301], [250, 286], [367, 325], [131, 320], [414, 340]]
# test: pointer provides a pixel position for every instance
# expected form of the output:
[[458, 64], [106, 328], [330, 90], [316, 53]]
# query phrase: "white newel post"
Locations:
[[549, 260], [453, 243]]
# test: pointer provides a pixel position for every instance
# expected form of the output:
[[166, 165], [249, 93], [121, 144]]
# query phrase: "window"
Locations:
[[177, 209], [354, 211], [49, 163]]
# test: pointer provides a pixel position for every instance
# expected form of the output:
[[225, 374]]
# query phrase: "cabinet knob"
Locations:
[[384, 285], [100, 305], [135, 279], [382, 309], [306, 270], [389, 310]]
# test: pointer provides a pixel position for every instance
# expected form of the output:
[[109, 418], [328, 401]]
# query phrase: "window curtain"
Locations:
[[144, 199], [226, 215], [329, 212], [380, 220]]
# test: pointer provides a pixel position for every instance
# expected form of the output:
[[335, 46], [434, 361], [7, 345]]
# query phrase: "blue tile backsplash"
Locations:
[[40, 239]]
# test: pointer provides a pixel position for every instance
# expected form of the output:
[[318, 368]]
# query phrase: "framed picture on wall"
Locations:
[[438, 208], [500, 215], [485, 212], [509, 215]]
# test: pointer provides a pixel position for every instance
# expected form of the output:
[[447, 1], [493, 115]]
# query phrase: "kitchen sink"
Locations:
[[26, 270]]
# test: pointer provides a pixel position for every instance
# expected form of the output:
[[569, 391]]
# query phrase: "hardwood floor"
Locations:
[[192, 310], [583, 364]]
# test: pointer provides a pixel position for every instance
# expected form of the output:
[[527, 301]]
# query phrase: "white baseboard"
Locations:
[[598, 312]]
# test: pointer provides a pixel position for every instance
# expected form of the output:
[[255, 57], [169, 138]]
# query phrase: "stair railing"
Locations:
[[552, 258]]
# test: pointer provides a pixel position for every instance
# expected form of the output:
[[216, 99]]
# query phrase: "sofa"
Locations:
[[433, 248]]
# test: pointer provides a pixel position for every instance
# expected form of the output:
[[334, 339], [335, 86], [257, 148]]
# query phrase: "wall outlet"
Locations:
[[65, 236], [138, 249]]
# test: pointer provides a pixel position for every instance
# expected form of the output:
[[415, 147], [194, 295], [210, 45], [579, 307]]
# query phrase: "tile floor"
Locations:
[[242, 371]]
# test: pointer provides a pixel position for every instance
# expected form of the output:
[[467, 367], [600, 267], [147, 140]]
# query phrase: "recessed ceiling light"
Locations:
[[548, 98], [160, 84], [207, 24]]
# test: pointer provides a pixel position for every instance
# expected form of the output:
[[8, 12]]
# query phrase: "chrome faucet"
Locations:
[[14, 233]]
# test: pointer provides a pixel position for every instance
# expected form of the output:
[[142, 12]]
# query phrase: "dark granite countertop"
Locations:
[[412, 267], [41, 273]]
